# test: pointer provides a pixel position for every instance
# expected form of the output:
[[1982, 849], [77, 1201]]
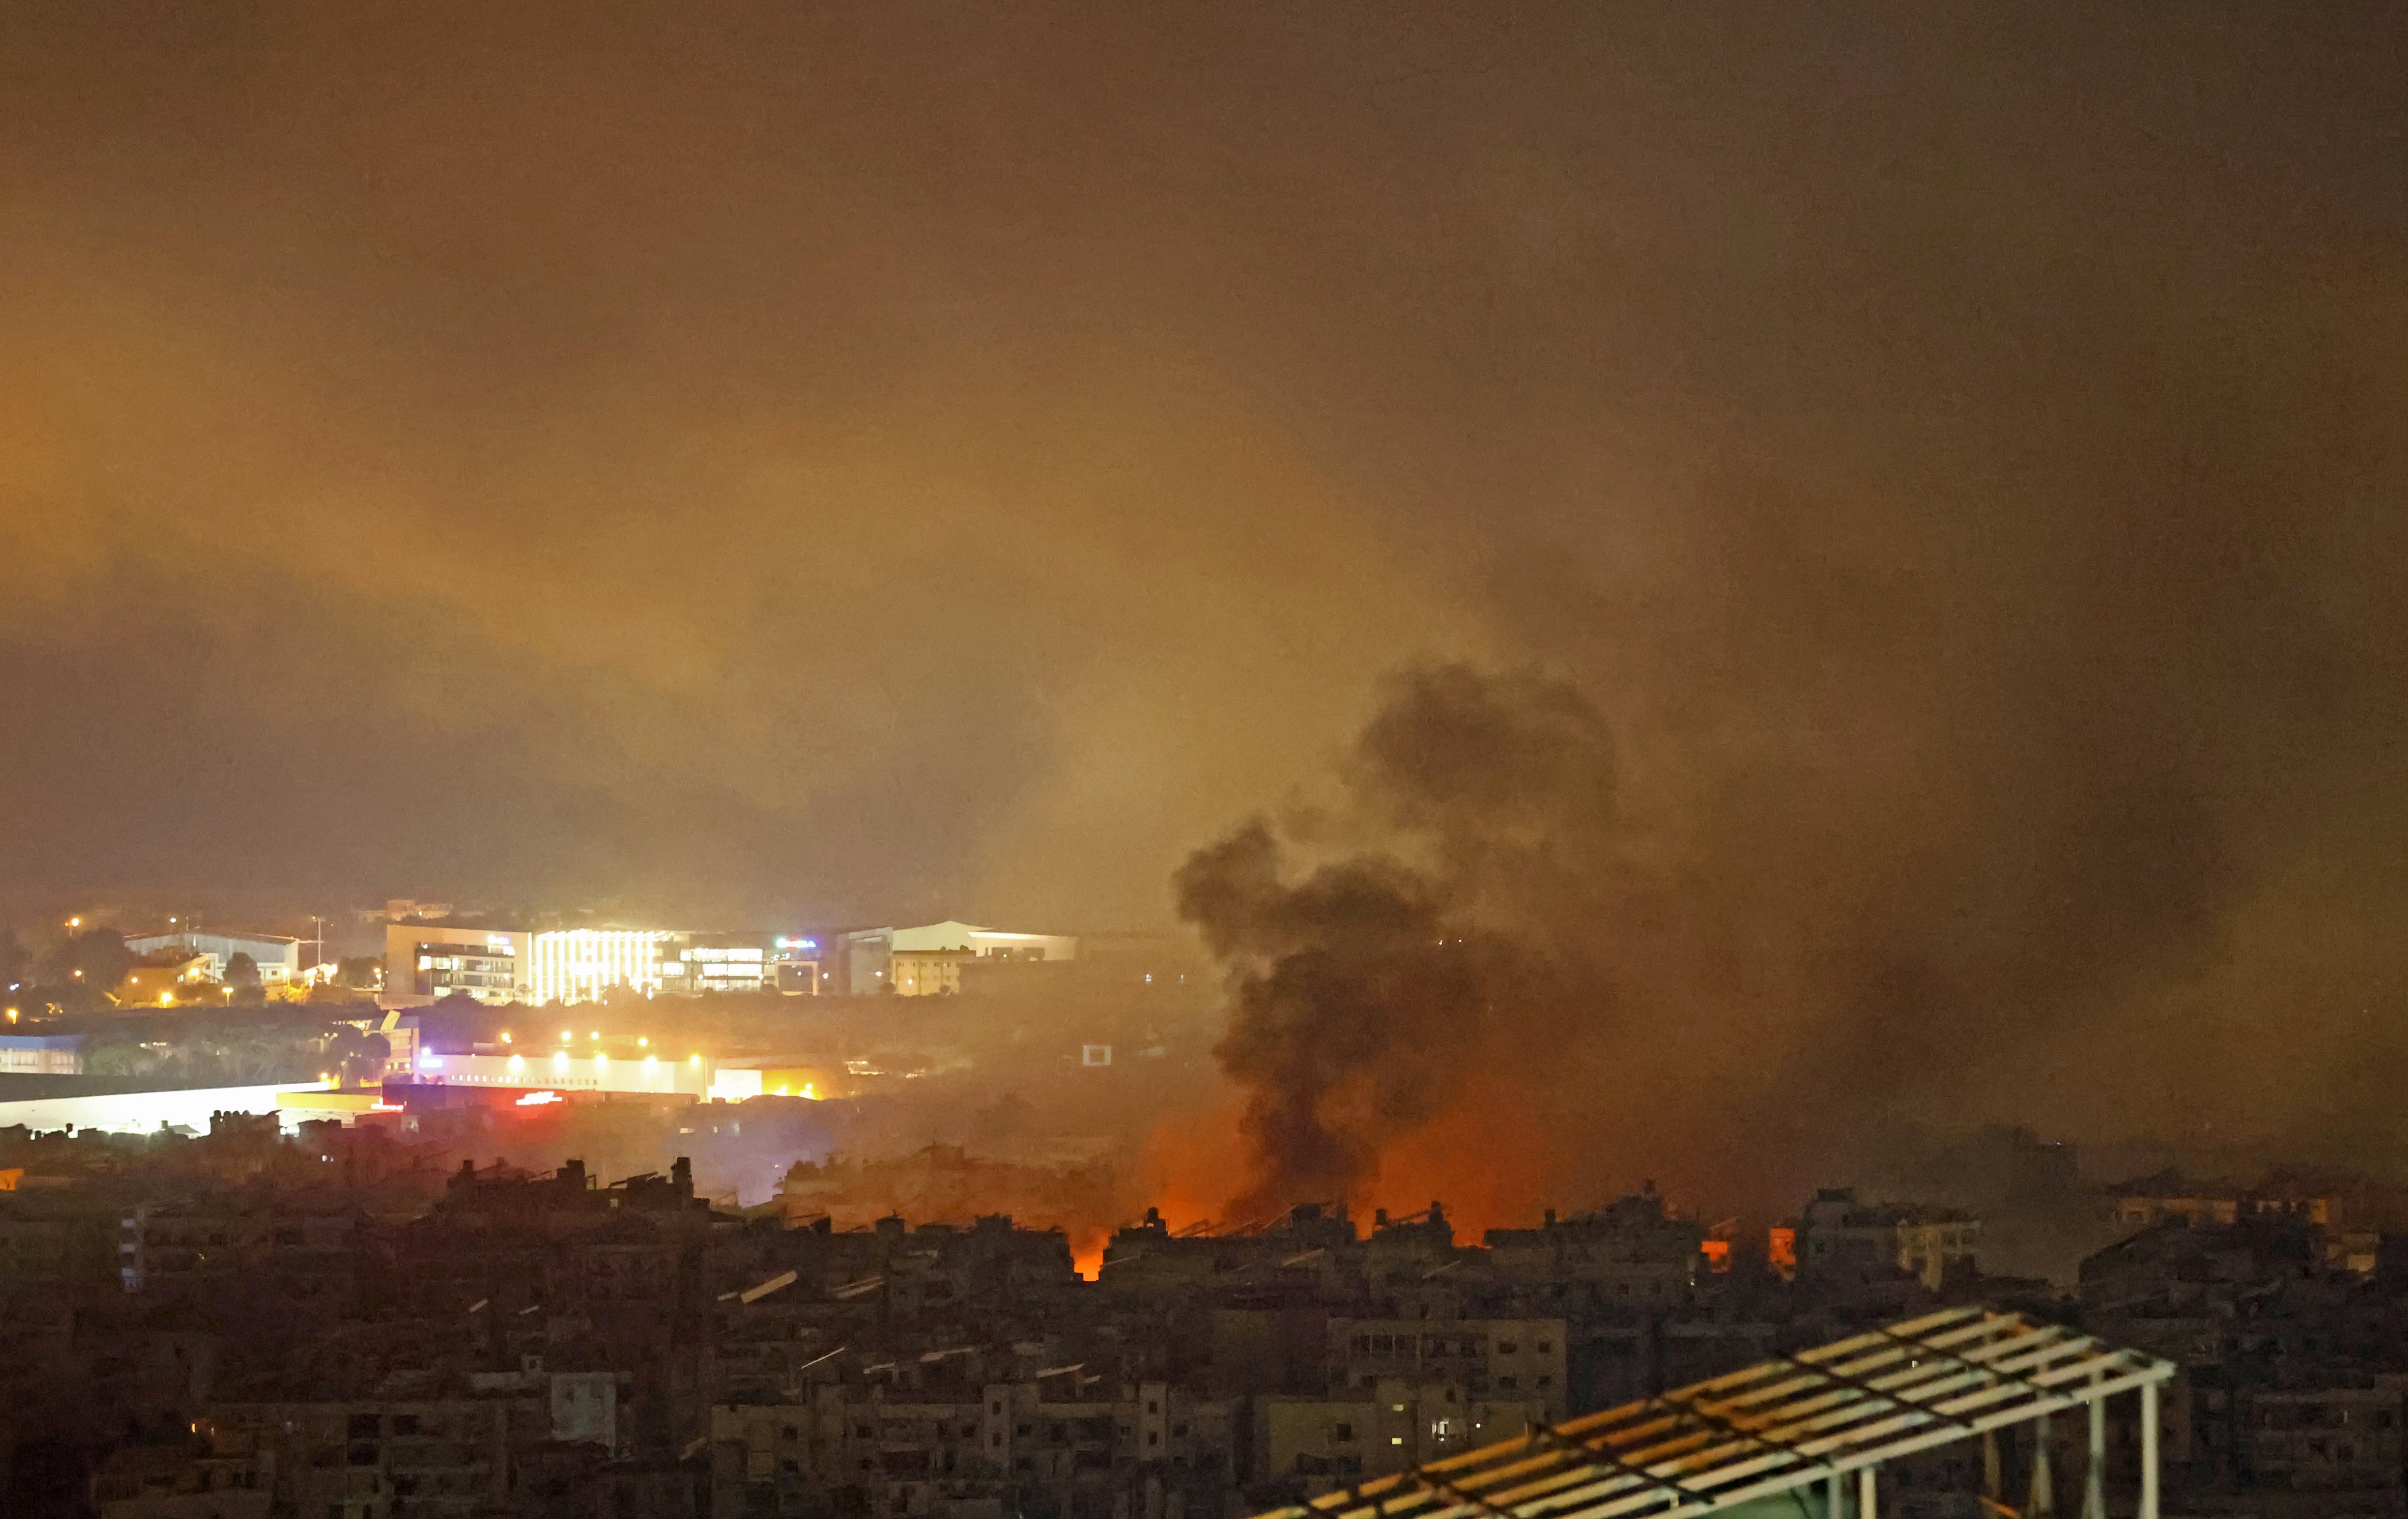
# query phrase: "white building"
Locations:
[[279, 958], [916, 961]]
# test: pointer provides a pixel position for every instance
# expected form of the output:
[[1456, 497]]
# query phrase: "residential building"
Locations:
[[1839, 1236], [1393, 1425], [1518, 1360]]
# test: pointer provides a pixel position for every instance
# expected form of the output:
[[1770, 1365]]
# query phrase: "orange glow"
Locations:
[[1781, 1250], [1087, 1254], [1487, 1157], [1194, 1162], [1718, 1253]]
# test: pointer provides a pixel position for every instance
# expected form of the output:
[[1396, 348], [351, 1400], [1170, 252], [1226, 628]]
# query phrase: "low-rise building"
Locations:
[[158, 979], [931, 957], [42, 1054], [278, 957]]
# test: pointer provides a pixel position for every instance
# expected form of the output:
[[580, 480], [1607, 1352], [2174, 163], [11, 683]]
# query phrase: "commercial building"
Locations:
[[42, 1054], [723, 963], [147, 1112], [927, 960], [543, 1075], [426, 962], [585, 965], [564, 1071], [279, 958]]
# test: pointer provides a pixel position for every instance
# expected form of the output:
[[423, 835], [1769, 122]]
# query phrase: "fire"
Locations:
[[1194, 1162], [1489, 1161]]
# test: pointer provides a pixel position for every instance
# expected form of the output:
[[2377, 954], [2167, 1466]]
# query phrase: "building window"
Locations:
[[1342, 1431]]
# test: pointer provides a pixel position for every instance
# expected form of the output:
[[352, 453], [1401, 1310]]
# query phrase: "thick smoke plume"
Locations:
[[1367, 987], [1479, 969]]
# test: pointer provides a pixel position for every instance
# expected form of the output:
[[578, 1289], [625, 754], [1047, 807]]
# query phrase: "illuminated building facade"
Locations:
[[719, 963], [428, 962], [565, 1071], [583, 964]]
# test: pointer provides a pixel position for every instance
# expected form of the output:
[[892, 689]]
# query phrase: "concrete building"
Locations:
[[1635, 1251], [927, 960], [910, 1455], [2328, 1439], [426, 962], [1839, 1236], [1521, 1361], [1392, 1425], [279, 958]]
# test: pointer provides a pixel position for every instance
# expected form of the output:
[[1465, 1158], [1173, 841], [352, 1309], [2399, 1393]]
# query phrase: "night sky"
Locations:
[[768, 462]]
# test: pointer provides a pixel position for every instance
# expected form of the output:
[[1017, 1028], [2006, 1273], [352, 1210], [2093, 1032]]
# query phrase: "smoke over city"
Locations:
[[1472, 968], [587, 469]]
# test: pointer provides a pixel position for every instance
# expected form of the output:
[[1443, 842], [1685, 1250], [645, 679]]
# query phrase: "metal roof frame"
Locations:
[[1783, 1423]]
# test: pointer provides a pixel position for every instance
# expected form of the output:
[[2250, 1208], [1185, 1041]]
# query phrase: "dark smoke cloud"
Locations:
[[1364, 989], [1473, 924], [794, 460]]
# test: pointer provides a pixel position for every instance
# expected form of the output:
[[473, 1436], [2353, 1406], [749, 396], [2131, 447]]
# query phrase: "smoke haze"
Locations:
[[775, 464]]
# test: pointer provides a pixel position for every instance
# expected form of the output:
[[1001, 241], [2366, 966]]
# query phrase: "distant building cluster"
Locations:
[[427, 960]]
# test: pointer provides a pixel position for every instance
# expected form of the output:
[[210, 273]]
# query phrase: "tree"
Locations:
[[242, 970], [118, 1059], [100, 954], [360, 972], [15, 963]]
